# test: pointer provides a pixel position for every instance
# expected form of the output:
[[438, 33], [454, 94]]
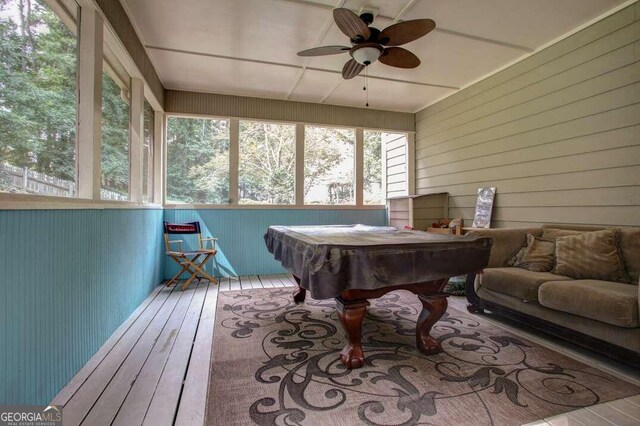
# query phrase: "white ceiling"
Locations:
[[248, 47]]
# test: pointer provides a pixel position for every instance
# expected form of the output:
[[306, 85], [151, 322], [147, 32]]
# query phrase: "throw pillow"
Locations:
[[630, 246], [591, 255], [538, 255], [518, 256]]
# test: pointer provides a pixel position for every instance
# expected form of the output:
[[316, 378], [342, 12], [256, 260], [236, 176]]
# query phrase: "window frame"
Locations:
[[296, 154], [233, 152], [299, 177], [93, 31]]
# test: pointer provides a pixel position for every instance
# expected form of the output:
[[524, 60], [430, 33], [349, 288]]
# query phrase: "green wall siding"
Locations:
[[68, 279]]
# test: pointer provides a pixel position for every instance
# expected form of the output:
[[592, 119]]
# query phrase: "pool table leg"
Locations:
[[351, 314], [299, 293], [433, 307]]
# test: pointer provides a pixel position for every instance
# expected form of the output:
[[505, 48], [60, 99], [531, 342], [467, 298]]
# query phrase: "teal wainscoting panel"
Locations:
[[68, 279], [241, 248]]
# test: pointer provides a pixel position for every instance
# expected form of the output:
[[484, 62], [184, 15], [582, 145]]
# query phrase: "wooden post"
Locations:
[[136, 139], [234, 160], [90, 104], [359, 167], [299, 164]]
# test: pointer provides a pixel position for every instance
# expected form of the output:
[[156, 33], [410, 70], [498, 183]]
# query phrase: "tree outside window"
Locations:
[[38, 62], [372, 168], [267, 163], [197, 160], [329, 163], [147, 154], [115, 139]]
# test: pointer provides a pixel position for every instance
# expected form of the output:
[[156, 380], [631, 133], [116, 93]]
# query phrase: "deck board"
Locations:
[[78, 380], [155, 368], [266, 281], [84, 399], [255, 281], [245, 284], [166, 398], [192, 409], [234, 283], [134, 407], [171, 314]]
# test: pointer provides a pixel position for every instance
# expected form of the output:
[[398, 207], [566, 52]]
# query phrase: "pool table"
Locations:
[[354, 263]]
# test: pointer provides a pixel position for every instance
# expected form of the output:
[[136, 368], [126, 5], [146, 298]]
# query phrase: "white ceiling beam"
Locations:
[[319, 40], [484, 40], [405, 9], [256, 61]]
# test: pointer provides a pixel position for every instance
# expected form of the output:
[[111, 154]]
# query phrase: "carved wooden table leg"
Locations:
[[433, 307], [351, 314], [299, 293]]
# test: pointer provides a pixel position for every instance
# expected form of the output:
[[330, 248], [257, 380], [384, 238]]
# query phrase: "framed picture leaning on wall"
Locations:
[[484, 206]]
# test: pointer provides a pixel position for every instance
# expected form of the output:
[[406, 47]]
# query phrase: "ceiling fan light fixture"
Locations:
[[366, 55]]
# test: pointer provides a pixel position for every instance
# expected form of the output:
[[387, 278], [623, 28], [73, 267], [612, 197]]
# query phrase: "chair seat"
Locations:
[[191, 252]]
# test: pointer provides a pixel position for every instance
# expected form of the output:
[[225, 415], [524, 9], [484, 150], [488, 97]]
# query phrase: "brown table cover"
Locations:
[[331, 259]]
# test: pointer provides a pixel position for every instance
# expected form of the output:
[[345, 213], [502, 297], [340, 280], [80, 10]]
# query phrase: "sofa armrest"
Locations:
[[506, 242]]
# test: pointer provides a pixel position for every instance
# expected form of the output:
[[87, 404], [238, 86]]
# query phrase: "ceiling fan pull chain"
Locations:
[[366, 84]]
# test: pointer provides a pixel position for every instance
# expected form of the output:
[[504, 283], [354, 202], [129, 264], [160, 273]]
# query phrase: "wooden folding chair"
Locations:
[[191, 261]]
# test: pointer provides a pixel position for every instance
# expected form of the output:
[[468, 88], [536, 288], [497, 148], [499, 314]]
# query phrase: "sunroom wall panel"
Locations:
[[558, 134]]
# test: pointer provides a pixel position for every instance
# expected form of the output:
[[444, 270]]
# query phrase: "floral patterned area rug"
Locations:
[[276, 363]]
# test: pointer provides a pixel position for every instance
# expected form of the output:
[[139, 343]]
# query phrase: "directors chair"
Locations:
[[189, 260]]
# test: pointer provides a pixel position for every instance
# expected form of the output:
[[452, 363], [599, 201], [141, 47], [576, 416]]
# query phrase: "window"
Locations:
[[115, 136], [372, 168], [197, 160], [38, 62], [267, 163], [147, 155], [329, 163]]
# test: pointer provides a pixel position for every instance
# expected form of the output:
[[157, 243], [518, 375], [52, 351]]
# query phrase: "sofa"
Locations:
[[575, 304]]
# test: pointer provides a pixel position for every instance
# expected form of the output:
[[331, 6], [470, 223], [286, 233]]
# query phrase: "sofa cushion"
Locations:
[[517, 282], [539, 255], [605, 301], [506, 242], [630, 245], [592, 255], [552, 234]]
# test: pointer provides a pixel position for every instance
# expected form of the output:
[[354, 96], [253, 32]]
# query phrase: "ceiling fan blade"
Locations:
[[399, 57], [324, 50], [351, 24], [351, 69], [404, 32]]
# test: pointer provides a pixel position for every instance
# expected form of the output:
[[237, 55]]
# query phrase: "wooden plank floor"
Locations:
[[154, 368], [126, 382]]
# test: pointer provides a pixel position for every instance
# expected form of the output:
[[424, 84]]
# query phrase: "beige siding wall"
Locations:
[[280, 110], [395, 159], [558, 134]]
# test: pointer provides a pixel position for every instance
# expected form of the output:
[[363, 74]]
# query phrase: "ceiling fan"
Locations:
[[370, 44]]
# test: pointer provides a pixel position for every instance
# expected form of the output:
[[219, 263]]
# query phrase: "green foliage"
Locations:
[[329, 165], [267, 163], [37, 89], [197, 160], [115, 137], [372, 169]]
